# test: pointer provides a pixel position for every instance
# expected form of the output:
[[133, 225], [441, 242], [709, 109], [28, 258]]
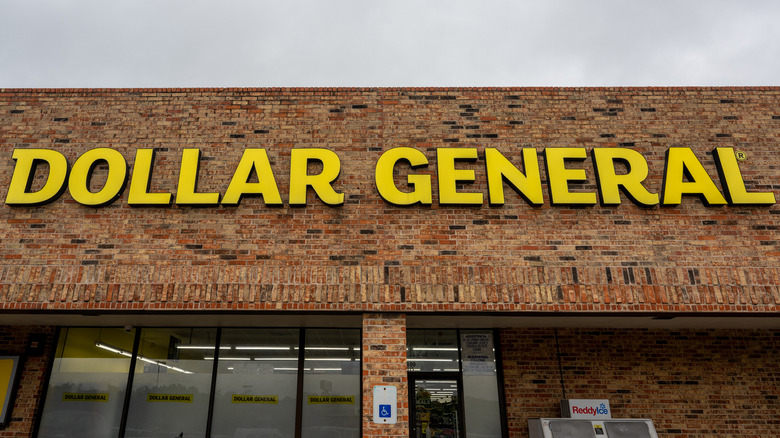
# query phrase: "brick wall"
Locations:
[[13, 341], [384, 364], [368, 255], [705, 383]]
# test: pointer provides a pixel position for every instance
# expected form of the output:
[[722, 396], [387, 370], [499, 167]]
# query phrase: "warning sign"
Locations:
[[477, 353]]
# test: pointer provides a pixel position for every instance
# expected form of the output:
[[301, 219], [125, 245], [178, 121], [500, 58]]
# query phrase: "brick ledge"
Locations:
[[384, 89]]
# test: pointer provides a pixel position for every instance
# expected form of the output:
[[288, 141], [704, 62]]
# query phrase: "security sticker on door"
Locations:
[[385, 404]]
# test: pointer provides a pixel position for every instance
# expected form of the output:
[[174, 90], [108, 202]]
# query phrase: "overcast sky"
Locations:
[[258, 43]]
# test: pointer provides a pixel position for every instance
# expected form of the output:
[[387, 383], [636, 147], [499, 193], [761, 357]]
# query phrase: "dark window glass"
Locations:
[[480, 384], [331, 384], [432, 350], [87, 385], [257, 382], [172, 383]]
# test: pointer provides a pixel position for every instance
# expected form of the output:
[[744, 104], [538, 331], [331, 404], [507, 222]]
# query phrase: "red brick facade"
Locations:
[[384, 364], [368, 256], [692, 383]]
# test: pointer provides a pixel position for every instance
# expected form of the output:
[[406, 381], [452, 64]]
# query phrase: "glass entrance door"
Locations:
[[436, 406]]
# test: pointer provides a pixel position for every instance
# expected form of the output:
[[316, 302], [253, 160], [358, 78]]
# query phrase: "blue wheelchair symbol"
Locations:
[[384, 411]]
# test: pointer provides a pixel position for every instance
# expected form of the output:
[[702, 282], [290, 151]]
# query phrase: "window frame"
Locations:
[[499, 373], [214, 373]]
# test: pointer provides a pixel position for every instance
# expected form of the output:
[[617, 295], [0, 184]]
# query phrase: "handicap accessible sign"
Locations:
[[385, 404]]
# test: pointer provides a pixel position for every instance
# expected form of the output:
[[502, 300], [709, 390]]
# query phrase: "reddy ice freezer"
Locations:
[[579, 428]]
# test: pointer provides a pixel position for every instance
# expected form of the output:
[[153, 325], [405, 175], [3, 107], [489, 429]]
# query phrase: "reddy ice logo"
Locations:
[[591, 410]]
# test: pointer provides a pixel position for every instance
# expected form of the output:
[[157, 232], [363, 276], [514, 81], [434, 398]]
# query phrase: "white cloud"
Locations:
[[59, 43]]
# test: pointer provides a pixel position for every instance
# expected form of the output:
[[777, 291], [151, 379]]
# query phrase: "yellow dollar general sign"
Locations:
[[88, 397], [331, 399], [6, 383], [169, 398], [240, 398], [684, 175]]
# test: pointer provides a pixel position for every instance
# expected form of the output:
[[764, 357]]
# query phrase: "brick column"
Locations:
[[13, 341], [384, 363]]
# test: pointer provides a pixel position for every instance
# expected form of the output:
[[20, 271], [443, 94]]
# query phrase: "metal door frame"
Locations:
[[414, 376]]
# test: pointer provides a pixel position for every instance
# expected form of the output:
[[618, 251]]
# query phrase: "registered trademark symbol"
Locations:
[[741, 156]]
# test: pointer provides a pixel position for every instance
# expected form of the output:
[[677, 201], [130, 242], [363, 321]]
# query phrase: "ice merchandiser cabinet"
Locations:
[[579, 428]]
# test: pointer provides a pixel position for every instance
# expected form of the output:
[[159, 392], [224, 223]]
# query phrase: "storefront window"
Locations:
[[86, 389], [331, 384], [468, 358], [266, 384], [257, 383], [432, 350], [480, 384], [172, 383]]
